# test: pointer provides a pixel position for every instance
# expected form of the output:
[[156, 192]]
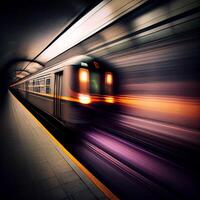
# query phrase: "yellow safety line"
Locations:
[[98, 183]]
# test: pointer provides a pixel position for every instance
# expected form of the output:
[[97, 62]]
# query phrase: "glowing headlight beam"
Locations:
[[84, 99]]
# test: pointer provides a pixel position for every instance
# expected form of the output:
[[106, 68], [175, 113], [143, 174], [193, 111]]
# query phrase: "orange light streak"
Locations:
[[169, 105]]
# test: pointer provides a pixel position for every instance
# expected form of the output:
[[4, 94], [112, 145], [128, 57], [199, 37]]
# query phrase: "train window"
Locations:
[[34, 86], [37, 86], [83, 80], [48, 81], [42, 85], [83, 64], [95, 83], [48, 86], [27, 85], [31, 85]]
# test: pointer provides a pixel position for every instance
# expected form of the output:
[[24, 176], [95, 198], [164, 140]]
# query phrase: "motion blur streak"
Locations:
[[109, 100], [169, 105], [159, 129], [151, 175], [154, 136], [140, 159], [180, 109]]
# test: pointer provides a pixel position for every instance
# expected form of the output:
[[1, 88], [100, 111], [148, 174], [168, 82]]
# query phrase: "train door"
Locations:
[[57, 94]]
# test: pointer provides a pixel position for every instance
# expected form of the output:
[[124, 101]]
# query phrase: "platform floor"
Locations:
[[32, 166]]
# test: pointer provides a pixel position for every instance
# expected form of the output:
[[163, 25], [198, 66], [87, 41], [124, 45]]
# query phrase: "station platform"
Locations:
[[34, 165]]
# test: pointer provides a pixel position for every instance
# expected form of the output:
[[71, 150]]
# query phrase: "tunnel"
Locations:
[[100, 99]]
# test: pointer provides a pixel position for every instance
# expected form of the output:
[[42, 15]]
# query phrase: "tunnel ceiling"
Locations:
[[27, 27]]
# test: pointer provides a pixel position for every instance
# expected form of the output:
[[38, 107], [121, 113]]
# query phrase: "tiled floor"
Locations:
[[31, 165]]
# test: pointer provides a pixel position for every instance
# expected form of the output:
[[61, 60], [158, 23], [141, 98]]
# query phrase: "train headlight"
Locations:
[[84, 99], [109, 99]]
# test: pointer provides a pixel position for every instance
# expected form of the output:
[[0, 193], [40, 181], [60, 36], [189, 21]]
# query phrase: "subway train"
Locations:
[[70, 90]]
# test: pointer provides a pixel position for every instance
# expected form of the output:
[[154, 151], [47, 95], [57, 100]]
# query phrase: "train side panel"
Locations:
[[43, 101]]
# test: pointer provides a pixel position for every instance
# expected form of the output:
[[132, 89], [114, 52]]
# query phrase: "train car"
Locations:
[[70, 89]]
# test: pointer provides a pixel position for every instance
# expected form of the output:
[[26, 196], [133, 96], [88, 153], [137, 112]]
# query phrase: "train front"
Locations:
[[95, 85]]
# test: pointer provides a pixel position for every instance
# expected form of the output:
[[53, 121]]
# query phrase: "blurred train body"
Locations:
[[155, 50], [71, 89]]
